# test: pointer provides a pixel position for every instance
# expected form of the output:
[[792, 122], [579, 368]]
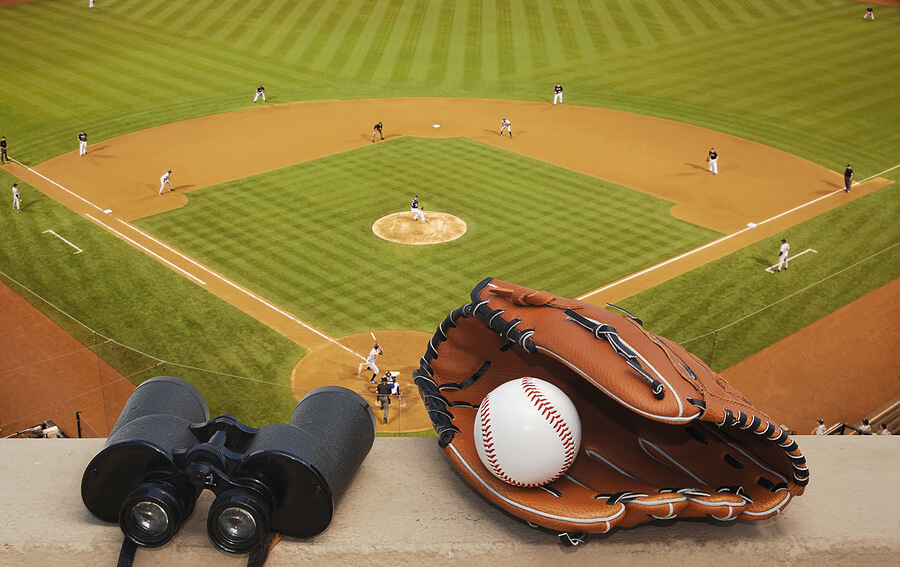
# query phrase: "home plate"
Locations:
[[435, 125]]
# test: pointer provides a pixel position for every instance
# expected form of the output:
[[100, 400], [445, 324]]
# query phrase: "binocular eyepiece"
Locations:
[[164, 450]]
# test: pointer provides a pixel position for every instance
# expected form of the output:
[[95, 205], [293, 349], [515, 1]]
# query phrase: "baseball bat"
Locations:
[[373, 336]]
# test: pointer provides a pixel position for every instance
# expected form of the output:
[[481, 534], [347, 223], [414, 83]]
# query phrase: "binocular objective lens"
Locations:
[[237, 524], [149, 518]]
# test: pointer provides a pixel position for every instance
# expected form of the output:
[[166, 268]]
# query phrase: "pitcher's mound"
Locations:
[[401, 228]]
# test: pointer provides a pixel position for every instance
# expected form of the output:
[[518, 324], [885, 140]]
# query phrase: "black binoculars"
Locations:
[[164, 451]]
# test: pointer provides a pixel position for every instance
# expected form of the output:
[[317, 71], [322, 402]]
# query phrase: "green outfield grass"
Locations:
[[302, 236], [857, 250], [806, 76]]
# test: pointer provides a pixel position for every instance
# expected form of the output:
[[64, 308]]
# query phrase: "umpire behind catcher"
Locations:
[[384, 396]]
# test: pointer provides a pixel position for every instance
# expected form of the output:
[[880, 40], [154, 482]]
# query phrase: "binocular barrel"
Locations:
[[164, 450]]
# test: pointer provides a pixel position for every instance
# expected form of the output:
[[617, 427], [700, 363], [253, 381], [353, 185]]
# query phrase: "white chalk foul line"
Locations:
[[44, 177], [64, 240], [724, 238], [147, 250], [246, 292], [771, 268]]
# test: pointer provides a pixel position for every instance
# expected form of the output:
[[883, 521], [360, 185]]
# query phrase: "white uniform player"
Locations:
[[783, 255], [557, 93], [505, 125], [820, 428], [713, 161], [370, 362], [165, 180], [416, 210], [17, 204], [260, 92], [82, 143]]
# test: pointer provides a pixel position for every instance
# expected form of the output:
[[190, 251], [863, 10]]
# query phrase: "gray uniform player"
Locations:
[[370, 362], [506, 125]]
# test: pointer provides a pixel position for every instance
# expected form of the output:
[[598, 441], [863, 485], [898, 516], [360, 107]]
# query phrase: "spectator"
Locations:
[[884, 430], [820, 428], [865, 428]]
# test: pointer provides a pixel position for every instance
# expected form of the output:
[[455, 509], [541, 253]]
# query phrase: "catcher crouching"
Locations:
[[663, 436]]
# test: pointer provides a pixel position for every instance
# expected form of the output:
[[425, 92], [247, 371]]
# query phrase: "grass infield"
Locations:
[[302, 236]]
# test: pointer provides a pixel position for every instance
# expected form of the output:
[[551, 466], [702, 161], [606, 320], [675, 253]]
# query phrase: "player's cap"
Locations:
[[820, 421], [170, 171], [783, 240]]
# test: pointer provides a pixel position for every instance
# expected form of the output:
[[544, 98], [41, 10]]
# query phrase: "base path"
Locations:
[[117, 181]]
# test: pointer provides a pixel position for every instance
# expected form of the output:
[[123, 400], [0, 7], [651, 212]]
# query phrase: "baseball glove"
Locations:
[[663, 436]]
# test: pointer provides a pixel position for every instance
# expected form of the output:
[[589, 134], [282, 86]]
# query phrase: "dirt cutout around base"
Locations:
[[402, 229], [119, 177], [331, 366]]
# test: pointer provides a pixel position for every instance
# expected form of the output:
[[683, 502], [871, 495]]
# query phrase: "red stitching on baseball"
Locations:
[[556, 422]]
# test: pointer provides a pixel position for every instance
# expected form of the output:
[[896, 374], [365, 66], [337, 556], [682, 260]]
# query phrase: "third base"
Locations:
[[527, 432]]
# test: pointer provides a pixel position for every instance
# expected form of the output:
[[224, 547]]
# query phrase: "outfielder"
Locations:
[[260, 92], [783, 255], [3, 156], [713, 160], [165, 180], [416, 210], [370, 362], [505, 125], [557, 93], [17, 204], [377, 130], [870, 12], [82, 143]]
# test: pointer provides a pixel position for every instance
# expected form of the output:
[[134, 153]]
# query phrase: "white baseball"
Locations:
[[527, 432]]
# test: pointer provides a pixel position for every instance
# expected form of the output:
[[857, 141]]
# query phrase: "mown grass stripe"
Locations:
[[537, 38], [506, 45], [329, 20], [219, 15], [660, 11], [185, 22], [473, 45], [440, 49], [690, 15], [250, 35], [360, 28], [636, 23]]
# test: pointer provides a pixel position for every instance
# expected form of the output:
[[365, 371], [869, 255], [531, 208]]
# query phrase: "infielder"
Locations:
[[848, 178], [82, 143], [166, 179], [17, 204], [260, 92], [370, 362], [783, 255], [505, 125], [713, 160], [557, 93], [377, 130], [416, 210]]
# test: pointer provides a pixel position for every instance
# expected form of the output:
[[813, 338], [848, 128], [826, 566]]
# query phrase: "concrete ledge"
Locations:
[[407, 507]]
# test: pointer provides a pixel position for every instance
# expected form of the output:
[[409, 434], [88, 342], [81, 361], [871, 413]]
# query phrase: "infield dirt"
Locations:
[[118, 182]]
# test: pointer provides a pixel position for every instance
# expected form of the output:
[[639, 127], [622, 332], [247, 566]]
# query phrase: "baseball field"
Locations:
[[260, 277]]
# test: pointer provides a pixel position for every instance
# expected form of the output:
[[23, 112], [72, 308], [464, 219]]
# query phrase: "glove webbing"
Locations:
[[611, 335]]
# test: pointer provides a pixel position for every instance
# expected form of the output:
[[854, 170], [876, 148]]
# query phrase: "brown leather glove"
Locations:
[[663, 436]]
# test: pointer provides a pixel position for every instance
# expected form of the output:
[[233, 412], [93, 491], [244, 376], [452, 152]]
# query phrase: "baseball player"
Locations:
[[166, 179], [416, 210], [82, 143], [370, 362], [260, 92], [17, 204], [3, 157], [91, 4], [557, 93], [377, 130], [505, 125], [848, 178], [869, 12], [713, 160], [395, 387], [783, 255]]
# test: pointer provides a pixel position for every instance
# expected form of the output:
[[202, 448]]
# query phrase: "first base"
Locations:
[[435, 125]]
